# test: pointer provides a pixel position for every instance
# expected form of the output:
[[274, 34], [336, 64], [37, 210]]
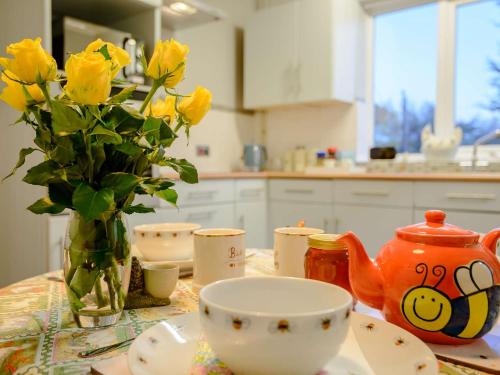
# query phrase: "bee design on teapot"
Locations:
[[467, 316]]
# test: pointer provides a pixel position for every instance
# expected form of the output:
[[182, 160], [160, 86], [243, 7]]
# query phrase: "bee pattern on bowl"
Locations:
[[238, 323]]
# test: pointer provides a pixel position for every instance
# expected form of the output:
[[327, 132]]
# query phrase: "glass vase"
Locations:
[[97, 268]]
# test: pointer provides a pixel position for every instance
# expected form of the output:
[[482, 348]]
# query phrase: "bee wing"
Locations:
[[463, 279], [481, 275]]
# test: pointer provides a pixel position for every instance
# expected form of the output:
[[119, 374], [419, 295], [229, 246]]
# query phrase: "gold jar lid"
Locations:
[[326, 242]]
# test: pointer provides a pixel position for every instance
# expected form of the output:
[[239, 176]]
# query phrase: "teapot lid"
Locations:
[[434, 231]]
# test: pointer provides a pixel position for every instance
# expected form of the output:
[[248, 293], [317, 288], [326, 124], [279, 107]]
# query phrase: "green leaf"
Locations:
[[187, 171], [62, 194], [74, 301], [152, 185], [65, 120], [124, 119], [138, 208], [63, 153], [129, 148], [104, 51], [22, 158], [151, 129], [122, 95], [45, 206], [168, 195], [90, 203], [167, 135], [43, 173], [121, 183], [104, 135], [83, 281]]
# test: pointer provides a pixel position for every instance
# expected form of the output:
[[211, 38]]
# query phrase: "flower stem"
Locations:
[[154, 88], [45, 93]]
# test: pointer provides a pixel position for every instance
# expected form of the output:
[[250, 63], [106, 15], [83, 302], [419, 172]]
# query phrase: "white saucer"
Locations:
[[372, 346]]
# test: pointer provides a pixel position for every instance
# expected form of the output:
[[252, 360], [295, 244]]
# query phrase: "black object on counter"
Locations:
[[382, 153]]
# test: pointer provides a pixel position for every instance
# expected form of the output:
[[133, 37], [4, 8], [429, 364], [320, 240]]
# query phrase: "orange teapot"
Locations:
[[433, 279]]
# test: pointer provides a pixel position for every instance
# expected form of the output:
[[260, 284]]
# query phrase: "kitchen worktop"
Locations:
[[458, 176]]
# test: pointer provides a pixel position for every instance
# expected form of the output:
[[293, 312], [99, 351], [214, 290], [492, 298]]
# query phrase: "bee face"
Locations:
[[427, 308]]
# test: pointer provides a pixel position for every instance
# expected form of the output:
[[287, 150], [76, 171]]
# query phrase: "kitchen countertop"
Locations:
[[457, 176]]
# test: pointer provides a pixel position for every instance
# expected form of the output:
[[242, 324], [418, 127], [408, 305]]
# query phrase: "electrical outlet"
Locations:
[[202, 150]]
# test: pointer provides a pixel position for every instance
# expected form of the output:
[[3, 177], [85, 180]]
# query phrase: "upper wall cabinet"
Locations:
[[215, 61], [301, 52]]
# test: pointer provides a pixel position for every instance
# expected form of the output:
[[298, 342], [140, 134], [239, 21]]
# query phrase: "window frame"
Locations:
[[444, 117]]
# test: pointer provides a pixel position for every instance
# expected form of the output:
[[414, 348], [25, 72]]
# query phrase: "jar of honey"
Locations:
[[327, 260]]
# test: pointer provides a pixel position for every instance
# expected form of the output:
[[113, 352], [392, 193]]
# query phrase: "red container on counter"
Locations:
[[327, 260]]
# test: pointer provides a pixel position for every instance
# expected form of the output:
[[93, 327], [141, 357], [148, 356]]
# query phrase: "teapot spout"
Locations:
[[364, 275], [490, 240]]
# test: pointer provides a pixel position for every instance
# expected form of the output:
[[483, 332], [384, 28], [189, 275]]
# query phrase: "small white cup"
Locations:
[[160, 279], [290, 247], [218, 254]]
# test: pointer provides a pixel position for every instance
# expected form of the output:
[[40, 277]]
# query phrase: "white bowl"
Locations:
[[274, 325], [165, 241]]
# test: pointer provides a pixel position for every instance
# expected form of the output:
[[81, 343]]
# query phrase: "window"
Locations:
[[477, 82], [416, 52], [404, 76]]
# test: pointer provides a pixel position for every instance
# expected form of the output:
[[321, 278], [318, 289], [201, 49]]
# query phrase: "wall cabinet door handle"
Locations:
[[299, 191], [472, 196], [371, 193]]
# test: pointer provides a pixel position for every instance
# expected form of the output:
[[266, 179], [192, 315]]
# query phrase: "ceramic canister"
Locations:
[[218, 254]]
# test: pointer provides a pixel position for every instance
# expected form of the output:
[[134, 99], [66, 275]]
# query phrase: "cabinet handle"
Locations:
[[242, 222], [299, 191], [201, 194], [371, 193], [336, 225], [200, 216], [325, 225], [250, 193], [473, 196]]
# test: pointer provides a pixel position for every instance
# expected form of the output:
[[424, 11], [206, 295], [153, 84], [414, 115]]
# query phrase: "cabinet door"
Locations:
[[373, 225], [287, 214], [214, 61], [252, 217], [270, 57], [57, 232]]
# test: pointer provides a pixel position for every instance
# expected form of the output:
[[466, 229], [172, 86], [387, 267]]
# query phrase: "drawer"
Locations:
[[474, 196], [301, 190], [204, 192], [375, 193], [217, 216], [250, 190]]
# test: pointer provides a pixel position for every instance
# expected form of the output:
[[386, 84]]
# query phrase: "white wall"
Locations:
[[312, 127]]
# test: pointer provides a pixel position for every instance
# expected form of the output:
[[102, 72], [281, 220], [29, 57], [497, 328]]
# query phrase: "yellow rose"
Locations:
[[89, 78], [169, 57], [196, 105], [162, 108], [30, 61], [119, 57], [14, 95]]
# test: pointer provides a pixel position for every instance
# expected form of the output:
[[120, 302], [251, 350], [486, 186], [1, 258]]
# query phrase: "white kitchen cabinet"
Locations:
[[373, 225], [301, 52], [288, 214], [251, 211], [270, 57], [214, 61], [57, 232]]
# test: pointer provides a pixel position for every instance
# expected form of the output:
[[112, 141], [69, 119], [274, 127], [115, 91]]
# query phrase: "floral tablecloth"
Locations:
[[39, 336]]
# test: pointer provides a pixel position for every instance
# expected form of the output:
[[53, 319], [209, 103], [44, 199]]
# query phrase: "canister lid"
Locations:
[[326, 242]]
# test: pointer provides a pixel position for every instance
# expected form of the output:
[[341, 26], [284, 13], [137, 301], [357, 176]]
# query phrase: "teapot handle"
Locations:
[[490, 240]]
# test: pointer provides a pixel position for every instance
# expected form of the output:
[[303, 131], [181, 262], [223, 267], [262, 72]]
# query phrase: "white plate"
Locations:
[[373, 346]]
